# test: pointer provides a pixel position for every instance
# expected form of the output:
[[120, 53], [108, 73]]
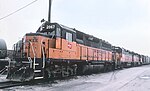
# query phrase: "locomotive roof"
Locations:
[[74, 30], [92, 36], [67, 28]]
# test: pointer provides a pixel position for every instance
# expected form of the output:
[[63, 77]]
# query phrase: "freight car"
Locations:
[[3, 54], [59, 51], [3, 49]]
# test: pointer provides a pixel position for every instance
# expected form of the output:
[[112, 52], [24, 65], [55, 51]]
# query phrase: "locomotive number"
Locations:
[[50, 27]]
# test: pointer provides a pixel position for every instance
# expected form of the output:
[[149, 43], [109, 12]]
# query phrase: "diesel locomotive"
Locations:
[[56, 50]]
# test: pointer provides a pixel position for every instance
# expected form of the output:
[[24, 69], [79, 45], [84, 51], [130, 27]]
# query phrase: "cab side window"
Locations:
[[69, 36], [58, 32]]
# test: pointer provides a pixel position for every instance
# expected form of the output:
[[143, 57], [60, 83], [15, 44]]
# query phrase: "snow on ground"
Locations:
[[131, 79], [3, 78]]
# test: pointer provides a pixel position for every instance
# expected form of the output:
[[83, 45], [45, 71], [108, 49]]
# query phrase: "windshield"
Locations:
[[49, 33]]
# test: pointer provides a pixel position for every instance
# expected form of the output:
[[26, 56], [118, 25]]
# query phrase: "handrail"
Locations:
[[33, 54], [43, 54], [29, 58], [3, 70], [30, 61]]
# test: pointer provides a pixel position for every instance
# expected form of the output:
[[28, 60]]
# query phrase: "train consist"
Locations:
[[59, 51], [3, 54]]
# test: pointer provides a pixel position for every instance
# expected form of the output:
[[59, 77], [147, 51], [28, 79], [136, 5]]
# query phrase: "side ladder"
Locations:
[[38, 70], [39, 65]]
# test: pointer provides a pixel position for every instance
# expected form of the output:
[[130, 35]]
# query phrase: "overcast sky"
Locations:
[[124, 23]]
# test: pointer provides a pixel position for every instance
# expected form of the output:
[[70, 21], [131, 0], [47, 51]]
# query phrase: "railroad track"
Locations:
[[8, 84]]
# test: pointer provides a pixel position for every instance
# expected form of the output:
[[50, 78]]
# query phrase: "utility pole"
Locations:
[[49, 14]]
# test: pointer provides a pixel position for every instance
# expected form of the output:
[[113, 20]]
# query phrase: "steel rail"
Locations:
[[8, 84]]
